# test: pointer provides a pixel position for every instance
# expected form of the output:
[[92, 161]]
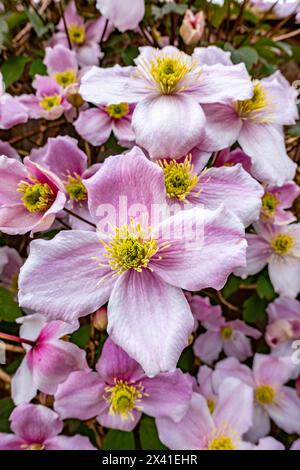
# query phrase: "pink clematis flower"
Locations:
[[192, 27], [123, 14], [61, 65], [31, 197], [187, 181], [62, 157], [167, 86], [36, 427], [277, 246], [119, 391], [48, 360], [84, 36], [276, 200], [12, 112], [49, 102], [257, 125], [135, 261], [201, 308], [273, 400], [222, 429], [10, 264], [230, 336]]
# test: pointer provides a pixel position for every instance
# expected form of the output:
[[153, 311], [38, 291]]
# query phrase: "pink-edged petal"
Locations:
[[35, 423], [265, 146], [235, 412], [23, 387], [270, 370], [114, 363], [233, 187], [198, 236], [12, 112], [74, 252], [150, 319], [158, 122], [122, 184], [94, 125], [192, 431], [8, 151], [62, 156], [16, 219], [80, 396], [208, 346], [219, 83], [11, 442], [286, 411], [223, 126], [108, 420], [69, 443], [285, 276], [167, 395]]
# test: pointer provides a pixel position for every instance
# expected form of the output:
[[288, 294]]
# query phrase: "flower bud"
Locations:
[[192, 27], [99, 319], [74, 97]]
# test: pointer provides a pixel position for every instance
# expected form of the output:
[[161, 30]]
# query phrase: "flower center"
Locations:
[[179, 177], [34, 446], [76, 189], [168, 71], [282, 243], [226, 333], [65, 78], [265, 394], [117, 111], [123, 398], [221, 443], [211, 405], [77, 34], [252, 107], [131, 248], [269, 203], [36, 197], [49, 102]]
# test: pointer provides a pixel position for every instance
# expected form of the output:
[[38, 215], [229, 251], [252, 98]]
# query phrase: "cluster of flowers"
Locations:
[[149, 227]]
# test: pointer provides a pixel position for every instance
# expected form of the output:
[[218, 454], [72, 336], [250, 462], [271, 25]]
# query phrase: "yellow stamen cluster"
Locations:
[[269, 203], [179, 177], [50, 102], [226, 333], [123, 398], [221, 443], [76, 189], [77, 34], [251, 108], [265, 394], [132, 247], [169, 70], [37, 197], [34, 446], [117, 111], [65, 78], [282, 243]]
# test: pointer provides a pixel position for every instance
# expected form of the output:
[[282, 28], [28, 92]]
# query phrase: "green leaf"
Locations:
[[13, 69], [37, 67], [186, 360], [294, 131], [81, 336], [118, 440], [149, 435], [231, 286], [264, 288], [6, 407], [9, 309], [254, 309], [37, 23], [129, 54], [245, 54], [160, 12]]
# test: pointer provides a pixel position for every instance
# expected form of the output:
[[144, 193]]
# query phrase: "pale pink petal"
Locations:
[[109, 420], [12, 112], [285, 275], [258, 253], [150, 320], [23, 388], [211, 55], [223, 126], [270, 370], [69, 443], [12, 172], [231, 367], [35, 423], [59, 59], [94, 125], [208, 346], [269, 443], [238, 346], [124, 14], [261, 425], [286, 411], [11, 442]]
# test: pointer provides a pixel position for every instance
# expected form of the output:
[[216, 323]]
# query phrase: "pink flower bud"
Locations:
[[192, 27], [99, 319], [278, 331]]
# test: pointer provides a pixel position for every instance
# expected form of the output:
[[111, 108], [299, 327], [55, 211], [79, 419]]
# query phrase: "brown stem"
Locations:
[[61, 11], [73, 214], [16, 339]]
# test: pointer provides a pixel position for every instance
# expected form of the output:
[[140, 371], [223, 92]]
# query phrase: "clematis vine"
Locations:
[[119, 392], [36, 427], [134, 261]]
